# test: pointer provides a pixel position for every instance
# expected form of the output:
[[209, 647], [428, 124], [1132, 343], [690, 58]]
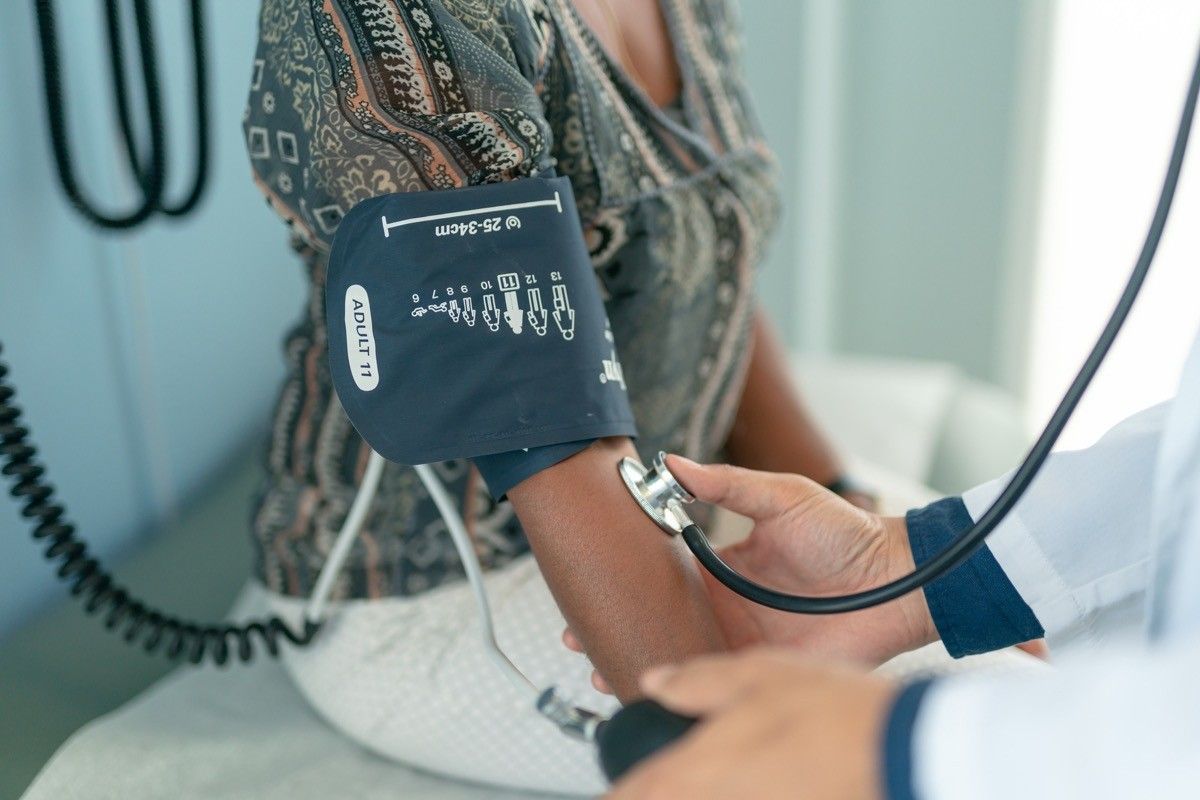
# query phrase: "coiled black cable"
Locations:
[[961, 548], [149, 169], [123, 613]]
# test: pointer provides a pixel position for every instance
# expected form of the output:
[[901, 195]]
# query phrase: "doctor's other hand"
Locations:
[[807, 540], [773, 724]]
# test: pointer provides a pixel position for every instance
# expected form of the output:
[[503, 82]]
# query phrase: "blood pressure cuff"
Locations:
[[468, 322]]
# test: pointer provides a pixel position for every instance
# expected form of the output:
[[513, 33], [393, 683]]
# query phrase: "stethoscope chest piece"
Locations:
[[658, 493]]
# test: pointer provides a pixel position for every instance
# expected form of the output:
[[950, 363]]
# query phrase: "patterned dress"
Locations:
[[355, 98]]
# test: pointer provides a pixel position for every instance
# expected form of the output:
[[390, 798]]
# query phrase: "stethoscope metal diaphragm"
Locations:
[[657, 491]]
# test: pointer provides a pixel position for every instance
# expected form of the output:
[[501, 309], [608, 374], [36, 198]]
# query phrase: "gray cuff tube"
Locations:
[[468, 322]]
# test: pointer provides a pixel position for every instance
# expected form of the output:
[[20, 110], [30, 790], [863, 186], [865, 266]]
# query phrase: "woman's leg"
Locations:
[[409, 678]]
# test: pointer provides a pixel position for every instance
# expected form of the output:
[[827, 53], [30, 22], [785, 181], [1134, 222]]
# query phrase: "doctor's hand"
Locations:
[[807, 540], [773, 725]]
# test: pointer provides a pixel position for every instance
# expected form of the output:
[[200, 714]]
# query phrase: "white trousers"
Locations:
[[408, 678]]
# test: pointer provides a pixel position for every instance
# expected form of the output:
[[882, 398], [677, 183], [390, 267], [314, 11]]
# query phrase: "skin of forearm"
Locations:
[[772, 430], [629, 592]]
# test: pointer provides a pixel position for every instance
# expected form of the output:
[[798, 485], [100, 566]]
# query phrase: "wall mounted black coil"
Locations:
[[134, 620]]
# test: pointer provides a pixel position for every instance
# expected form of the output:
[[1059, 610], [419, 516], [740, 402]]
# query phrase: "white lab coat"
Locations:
[[1105, 548]]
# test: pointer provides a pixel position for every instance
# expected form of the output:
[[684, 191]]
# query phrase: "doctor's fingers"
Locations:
[[758, 495]]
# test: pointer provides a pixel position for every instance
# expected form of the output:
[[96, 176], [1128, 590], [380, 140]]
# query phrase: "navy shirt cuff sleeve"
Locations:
[[897, 761], [975, 606], [502, 471]]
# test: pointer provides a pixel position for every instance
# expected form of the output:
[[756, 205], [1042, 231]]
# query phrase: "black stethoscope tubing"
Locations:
[[965, 545]]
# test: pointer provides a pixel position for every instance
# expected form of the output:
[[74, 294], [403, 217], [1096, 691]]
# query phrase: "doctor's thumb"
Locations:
[[753, 494]]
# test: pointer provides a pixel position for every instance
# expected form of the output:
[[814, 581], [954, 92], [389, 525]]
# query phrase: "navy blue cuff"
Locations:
[[975, 606], [897, 761], [502, 471]]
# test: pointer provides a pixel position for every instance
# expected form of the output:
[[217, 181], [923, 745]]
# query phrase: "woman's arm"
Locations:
[[630, 593], [773, 430], [431, 109]]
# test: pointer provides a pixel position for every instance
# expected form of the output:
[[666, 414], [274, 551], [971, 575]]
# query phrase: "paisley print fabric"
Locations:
[[354, 98]]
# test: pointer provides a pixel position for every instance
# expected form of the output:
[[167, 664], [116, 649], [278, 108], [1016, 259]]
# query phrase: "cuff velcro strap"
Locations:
[[468, 322]]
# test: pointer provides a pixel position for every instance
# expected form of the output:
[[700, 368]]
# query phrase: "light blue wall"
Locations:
[[771, 33], [930, 116], [144, 361], [912, 161]]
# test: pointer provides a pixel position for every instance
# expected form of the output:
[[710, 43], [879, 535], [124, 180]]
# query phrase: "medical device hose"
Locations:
[[961, 548], [174, 636], [572, 720], [157, 631]]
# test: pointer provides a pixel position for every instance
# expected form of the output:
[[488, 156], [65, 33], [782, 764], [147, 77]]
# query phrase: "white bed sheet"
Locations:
[[219, 734], [245, 732]]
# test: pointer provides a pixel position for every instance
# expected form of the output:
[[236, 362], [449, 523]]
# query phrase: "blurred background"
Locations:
[[966, 186]]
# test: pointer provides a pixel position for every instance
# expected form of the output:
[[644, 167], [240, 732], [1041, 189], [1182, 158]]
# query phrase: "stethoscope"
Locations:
[[664, 499], [638, 729]]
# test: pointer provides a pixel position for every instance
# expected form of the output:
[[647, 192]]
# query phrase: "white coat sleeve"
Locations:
[[1077, 546], [1115, 724]]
